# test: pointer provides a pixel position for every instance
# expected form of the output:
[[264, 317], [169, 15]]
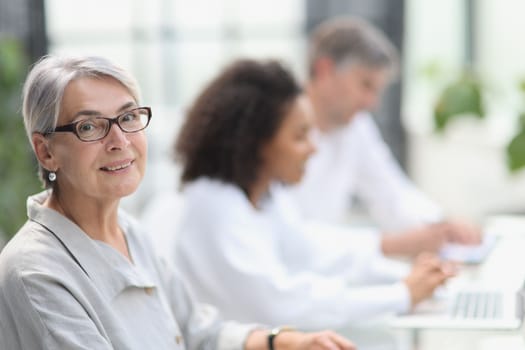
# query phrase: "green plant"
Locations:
[[462, 97], [17, 167], [516, 148]]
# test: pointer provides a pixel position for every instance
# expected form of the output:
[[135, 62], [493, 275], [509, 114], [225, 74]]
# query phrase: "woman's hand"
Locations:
[[324, 340], [427, 274]]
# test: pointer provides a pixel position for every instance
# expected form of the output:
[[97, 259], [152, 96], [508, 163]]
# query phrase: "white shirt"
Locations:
[[355, 161], [60, 289], [259, 266]]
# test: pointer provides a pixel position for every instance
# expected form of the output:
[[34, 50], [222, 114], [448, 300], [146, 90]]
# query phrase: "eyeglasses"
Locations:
[[97, 128]]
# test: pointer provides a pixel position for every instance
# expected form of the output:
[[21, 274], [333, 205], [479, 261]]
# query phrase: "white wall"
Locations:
[[174, 47]]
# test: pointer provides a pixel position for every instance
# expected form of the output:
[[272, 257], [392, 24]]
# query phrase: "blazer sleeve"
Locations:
[[43, 314], [201, 324]]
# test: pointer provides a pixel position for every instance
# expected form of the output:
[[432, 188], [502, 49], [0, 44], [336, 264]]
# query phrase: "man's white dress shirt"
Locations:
[[354, 161]]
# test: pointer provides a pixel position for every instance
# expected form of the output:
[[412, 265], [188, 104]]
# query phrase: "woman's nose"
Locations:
[[116, 138]]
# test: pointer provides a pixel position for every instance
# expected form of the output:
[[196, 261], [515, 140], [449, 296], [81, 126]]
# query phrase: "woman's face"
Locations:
[[109, 168], [285, 155]]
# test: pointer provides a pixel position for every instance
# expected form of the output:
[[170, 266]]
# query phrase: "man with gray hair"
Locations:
[[350, 64]]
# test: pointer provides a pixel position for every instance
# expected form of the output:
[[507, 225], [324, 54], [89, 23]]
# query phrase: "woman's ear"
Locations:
[[43, 152]]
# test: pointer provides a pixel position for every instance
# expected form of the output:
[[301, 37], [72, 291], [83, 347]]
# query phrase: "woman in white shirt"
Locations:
[[245, 136]]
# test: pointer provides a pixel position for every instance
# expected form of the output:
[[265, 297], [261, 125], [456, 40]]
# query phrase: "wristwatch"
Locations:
[[275, 332]]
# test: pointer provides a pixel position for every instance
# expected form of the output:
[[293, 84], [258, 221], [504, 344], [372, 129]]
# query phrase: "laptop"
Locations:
[[468, 308], [485, 301]]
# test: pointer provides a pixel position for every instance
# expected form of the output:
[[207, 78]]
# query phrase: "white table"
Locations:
[[505, 266]]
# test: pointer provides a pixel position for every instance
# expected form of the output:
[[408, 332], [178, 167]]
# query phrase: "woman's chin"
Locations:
[[126, 189], [293, 180]]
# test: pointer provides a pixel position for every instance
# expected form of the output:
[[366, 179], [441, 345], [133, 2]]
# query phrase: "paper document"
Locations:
[[469, 254]]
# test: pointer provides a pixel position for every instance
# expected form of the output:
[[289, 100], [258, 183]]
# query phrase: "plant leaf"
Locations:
[[516, 152], [460, 98]]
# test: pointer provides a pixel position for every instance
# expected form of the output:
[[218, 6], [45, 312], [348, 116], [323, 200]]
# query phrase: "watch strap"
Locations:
[[275, 332]]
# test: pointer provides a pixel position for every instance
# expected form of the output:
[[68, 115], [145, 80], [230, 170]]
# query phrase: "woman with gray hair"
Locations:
[[80, 274]]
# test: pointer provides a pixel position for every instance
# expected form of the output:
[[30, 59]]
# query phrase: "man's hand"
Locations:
[[460, 232], [430, 238]]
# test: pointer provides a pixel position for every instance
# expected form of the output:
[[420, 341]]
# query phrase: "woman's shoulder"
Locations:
[[32, 250], [211, 204], [213, 193]]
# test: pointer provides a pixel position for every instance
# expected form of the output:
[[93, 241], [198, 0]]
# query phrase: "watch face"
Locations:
[[275, 332]]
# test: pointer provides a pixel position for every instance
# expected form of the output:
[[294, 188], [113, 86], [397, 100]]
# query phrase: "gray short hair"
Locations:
[[351, 40], [45, 85]]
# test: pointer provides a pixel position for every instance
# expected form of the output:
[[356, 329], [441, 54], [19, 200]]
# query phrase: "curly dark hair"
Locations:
[[229, 122]]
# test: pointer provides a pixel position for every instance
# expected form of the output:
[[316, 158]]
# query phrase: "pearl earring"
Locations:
[[52, 176]]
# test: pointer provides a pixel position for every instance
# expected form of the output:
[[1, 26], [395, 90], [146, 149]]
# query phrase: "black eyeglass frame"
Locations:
[[115, 120]]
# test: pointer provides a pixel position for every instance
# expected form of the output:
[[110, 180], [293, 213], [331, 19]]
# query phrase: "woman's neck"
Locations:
[[258, 190], [99, 220]]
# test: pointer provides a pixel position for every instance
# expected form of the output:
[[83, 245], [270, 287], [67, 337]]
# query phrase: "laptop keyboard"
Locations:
[[478, 305]]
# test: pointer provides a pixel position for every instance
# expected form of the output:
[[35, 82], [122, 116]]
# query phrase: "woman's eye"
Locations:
[[89, 128], [128, 117], [86, 127]]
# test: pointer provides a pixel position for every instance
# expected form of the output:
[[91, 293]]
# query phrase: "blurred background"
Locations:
[[452, 118]]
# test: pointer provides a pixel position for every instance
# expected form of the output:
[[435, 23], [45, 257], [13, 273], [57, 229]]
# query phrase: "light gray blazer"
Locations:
[[60, 289]]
